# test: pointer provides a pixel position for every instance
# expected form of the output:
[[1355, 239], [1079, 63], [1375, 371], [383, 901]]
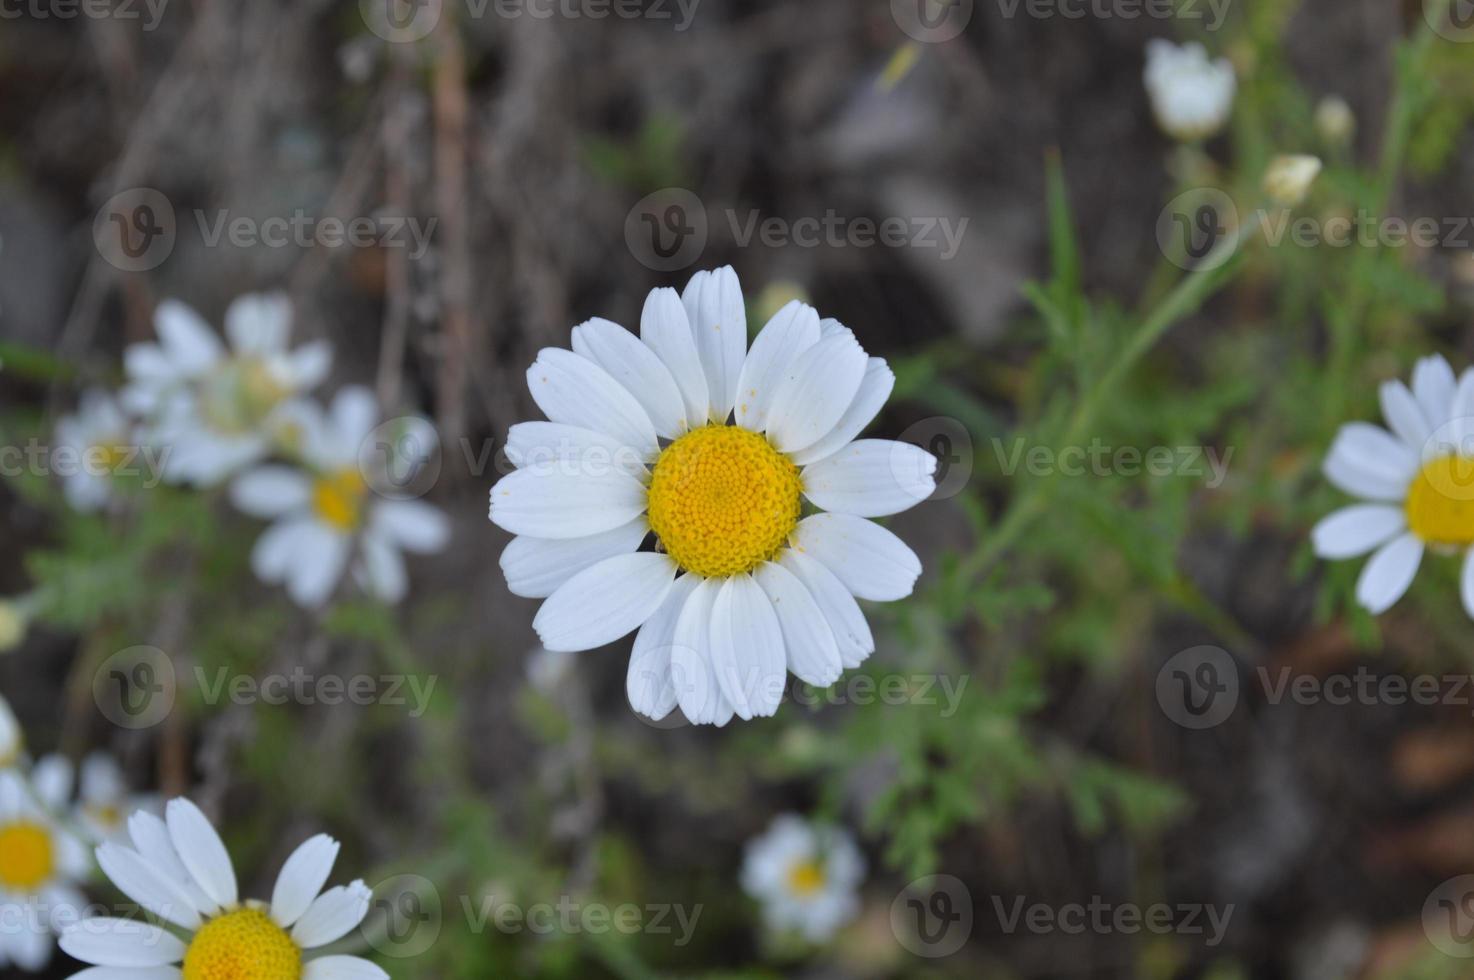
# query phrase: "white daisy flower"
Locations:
[[642, 438], [99, 439], [1416, 481], [806, 877], [215, 409], [104, 799], [1190, 94], [40, 862], [328, 518], [179, 870], [12, 739]]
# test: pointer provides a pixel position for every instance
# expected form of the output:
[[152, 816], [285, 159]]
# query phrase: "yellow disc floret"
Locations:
[[337, 498], [1440, 501], [805, 878], [242, 945], [27, 858], [722, 500]]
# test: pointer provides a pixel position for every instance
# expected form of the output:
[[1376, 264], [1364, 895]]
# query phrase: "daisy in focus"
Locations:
[[217, 409], [1416, 484], [1191, 95], [684, 432], [40, 863], [101, 440], [179, 870], [807, 877], [327, 517]]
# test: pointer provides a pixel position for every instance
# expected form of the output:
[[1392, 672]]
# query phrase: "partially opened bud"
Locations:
[[1289, 177], [1334, 120]]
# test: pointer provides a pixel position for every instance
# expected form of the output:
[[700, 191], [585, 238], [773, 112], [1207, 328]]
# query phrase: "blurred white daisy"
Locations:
[[214, 409], [99, 440], [685, 432], [179, 870], [12, 739], [40, 863], [806, 877], [1416, 481], [328, 518], [1191, 95], [104, 799]]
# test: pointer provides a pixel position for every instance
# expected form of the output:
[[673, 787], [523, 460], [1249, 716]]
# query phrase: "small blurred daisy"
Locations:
[[807, 877], [179, 870], [99, 439], [1417, 482], [12, 740], [685, 432], [40, 863], [104, 799], [215, 410], [1190, 94], [328, 518]]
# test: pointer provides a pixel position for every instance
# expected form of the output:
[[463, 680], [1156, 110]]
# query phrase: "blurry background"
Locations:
[[505, 162]]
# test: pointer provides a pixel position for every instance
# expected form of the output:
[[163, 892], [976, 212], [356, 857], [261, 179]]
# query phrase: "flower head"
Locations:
[[104, 799], [327, 517], [215, 409], [1191, 95], [1335, 122], [685, 432], [1289, 177], [179, 870], [1416, 483], [40, 863], [806, 876], [101, 441]]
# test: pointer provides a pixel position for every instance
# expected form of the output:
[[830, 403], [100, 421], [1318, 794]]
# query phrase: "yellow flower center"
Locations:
[[26, 856], [240, 395], [805, 878], [242, 945], [1440, 502], [108, 456], [722, 500], [337, 498]]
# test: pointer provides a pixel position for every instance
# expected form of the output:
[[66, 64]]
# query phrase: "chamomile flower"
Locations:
[[806, 877], [12, 739], [98, 440], [685, 432], [328, 518], [1416, 483], [40, 863], [104, 799], [217, 409], [1191, 95], [179, 870]]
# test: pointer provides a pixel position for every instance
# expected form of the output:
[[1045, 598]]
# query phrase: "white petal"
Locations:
[[150, 887], [872, 562], [189, 342], [576, 391], [101, 781], [1389, 573], [354, 413], [815, 391], [150, 836], [148, 364], [875, 389], [270, 491], [381, 570], [535, 567], [872, 478], [51, 780], [276, 550], [555, 506], [1403, 415], [791, 331], [308, 365], [341, 968], [127, 973], [201, 851], [747, 653], [648, 683], [551, 447], [604, 602], [259, 323], [322, 554], [121, 942], [413, 525], [665, 329], [638, 369], [1369, 462], [302, 878], [851, 631], [697, 691], [1356, 530], [813, 653], [713, 302], [1433, 387], [332, 915]]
